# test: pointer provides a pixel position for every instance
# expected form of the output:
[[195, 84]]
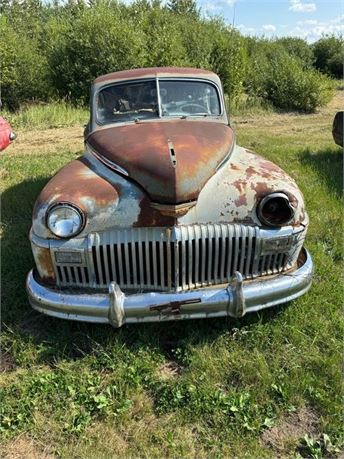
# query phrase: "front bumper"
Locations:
[[116, 308]]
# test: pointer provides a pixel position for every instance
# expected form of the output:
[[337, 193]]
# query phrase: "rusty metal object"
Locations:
[[153, 72], [173, 210], [173, 307]]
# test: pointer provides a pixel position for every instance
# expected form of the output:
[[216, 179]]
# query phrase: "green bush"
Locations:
[[329, 55], [299, 48], [289, 87], [277, 76]]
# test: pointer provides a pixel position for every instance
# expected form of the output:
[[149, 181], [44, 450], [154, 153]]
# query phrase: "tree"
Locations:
[[184, 7]]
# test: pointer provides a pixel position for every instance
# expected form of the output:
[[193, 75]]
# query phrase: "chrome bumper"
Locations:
[[116, 308]]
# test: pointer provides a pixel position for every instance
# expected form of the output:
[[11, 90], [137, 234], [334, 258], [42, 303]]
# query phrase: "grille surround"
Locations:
[[179, 258]]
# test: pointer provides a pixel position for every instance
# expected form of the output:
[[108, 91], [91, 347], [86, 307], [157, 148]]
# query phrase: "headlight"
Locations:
[[275, 210], [64, 220]]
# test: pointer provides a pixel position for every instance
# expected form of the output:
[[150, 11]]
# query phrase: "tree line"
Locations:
[[53, 50]]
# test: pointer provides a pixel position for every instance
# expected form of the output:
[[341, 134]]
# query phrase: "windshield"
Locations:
[[139, 100]]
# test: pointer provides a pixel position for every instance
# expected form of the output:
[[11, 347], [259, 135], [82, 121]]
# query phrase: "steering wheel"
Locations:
[[193, 108]]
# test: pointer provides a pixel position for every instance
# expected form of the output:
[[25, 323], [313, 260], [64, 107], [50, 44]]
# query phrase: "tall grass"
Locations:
[[47, 116]]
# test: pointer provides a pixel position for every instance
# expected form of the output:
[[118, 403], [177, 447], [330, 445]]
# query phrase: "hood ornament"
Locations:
[[174, 210]]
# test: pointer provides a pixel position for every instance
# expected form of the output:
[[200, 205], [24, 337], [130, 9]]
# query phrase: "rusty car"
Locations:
[[164, 216]]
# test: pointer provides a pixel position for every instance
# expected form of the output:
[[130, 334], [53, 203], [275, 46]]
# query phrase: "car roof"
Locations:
[[154, 72]]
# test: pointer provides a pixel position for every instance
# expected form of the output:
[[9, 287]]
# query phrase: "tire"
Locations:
[[337, 128]]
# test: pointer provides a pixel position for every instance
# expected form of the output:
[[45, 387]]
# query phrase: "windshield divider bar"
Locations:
[[159, 100]]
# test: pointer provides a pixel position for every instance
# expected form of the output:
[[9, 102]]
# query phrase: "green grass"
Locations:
[[208, 388], [47, 116]]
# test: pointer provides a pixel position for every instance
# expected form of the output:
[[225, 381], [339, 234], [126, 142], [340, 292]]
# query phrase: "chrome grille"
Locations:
[[73, 275], [179, 258]]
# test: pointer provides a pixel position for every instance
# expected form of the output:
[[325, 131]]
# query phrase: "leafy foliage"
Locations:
[[278, 76], [329, 55], [55, 50]]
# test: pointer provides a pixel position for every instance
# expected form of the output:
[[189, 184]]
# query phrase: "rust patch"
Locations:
[[154, 72], [250, 171], [74, 183], [234, 167], [240, 185], [44, 264], [149, 216], [261, 188], [241, 200]]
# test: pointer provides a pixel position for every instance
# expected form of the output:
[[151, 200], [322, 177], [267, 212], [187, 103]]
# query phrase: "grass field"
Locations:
[[268, 385]]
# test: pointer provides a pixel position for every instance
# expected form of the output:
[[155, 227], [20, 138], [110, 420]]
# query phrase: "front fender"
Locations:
[[233, 193]]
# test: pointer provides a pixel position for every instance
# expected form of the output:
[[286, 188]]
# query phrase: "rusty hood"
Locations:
[[171, 160]]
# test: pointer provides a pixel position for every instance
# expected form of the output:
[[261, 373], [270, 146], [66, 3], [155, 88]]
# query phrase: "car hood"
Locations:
[[171, 160]]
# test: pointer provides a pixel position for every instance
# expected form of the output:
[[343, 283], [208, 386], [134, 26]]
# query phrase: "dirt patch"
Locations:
[[170, 370], [290, 429], [6, 363], [47, 141], [24, 447]]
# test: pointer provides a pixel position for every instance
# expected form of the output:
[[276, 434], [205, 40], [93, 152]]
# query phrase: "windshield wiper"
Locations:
[[204, 115]]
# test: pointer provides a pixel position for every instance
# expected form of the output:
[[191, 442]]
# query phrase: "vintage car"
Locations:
[[164, 216]]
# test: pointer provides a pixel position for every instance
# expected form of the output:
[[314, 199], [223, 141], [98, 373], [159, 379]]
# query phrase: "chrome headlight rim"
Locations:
[[73, 207], [266, 199]]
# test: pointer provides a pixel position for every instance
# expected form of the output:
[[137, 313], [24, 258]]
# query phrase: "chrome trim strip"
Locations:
[[235, 299]]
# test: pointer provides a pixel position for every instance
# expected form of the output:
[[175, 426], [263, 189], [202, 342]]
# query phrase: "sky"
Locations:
[[308, 19]]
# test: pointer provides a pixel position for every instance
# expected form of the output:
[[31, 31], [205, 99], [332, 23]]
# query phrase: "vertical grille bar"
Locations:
[[155, 265], [197, 261], [119, 260], [242, 238], [140, 258], [162, 264], [99, 264], [168, 264], [203, 263], [112, 257], [133, 257], [236, 249], [209, 253], [223, 252], [216, 254], [105, 258], [127, 258], [147, 267], [229, 254], [249, 252], [255, 265]]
